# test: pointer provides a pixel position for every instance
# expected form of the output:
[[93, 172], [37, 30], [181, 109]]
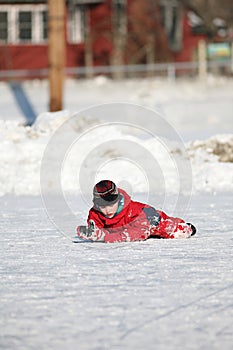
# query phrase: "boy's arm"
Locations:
[[135, 231], [132, 232]]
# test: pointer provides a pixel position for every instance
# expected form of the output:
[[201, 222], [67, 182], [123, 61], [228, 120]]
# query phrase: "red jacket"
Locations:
[[136, 222]]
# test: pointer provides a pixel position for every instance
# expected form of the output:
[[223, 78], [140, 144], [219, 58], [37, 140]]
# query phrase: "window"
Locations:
[[23, 23], [170, 15], [76, 20], [3, 26], [44, 18], [196, 23]]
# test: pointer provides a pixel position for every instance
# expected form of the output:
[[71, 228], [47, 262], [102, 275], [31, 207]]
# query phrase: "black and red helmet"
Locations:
[[105, 193]]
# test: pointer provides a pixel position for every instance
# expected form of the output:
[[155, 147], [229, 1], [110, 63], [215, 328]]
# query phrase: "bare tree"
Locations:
[[147, 40]]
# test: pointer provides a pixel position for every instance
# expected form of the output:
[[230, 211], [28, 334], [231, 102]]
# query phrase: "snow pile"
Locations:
[[212, 163], [47, 123], [105, 152], [221, 146], [21, 152]]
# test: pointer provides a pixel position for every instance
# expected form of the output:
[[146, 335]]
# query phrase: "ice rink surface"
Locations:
[[157, 294]]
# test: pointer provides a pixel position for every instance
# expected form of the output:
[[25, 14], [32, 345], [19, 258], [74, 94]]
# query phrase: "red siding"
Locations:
[[24, 57], [100, 21], [35, 56]]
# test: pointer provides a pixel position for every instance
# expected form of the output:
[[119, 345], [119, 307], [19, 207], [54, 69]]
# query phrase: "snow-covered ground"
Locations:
[[197, 109], [157, 294], [167, 144]]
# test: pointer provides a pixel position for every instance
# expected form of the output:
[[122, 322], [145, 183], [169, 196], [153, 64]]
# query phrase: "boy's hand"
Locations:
[[90, 232], [82, 232]]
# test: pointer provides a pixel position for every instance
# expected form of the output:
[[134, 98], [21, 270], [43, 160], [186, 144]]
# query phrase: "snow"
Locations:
[[129, 150], [170, 145], [172, 293]]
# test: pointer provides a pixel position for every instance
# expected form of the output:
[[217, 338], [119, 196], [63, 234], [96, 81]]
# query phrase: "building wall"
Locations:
[[21, 55], [189, 42], [35, 56]]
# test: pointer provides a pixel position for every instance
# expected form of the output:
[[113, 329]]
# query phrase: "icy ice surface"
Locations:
[[163, 294], [157, 294]]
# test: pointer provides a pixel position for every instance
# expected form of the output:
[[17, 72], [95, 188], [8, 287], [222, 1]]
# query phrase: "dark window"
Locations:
[[3, 26], [25, 25], [45, 24], [162, 15], [170, 17]]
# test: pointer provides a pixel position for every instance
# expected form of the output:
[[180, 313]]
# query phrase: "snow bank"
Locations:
[[22, 150], [221, 146]]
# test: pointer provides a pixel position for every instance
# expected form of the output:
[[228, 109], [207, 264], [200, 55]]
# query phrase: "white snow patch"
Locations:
[[22, 150]]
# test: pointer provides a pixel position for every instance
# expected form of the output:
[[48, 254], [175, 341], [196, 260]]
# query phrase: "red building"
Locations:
[[98, 32]]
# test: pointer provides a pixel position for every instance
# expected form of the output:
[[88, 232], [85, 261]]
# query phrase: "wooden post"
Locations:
[[56, 52], [232, 57], [119, 37], [88, 43], [202, 63]]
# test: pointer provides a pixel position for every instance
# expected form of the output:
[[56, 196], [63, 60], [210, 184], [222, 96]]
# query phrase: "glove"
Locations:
[[152, 216], [90, 232]]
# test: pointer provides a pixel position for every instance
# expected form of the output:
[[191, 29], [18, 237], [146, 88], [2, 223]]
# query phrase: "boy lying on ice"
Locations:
[[114, 217]]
